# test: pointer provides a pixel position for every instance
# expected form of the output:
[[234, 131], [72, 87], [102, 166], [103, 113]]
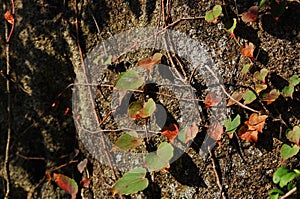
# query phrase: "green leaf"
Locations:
[[288, 151], [281, 171], [212, 15], [271, 96], [294, 80], [261, 87], [161, 159], [261, 75], [217, 10], [285, 179], [131, 182], [148, 109], [97, 59], [291, 186], [274, 193], [231, 126], [249, 96], [182, 134], [108, 60], [246, 68], [262, 3], [129, 80], [127, 142], [274, 196], [231, 29], [297, 171], [294, 135], [165, 151], [135, 109], [288, 91]]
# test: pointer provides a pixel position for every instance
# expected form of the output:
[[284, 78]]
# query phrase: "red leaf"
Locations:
[[191, 132], [215, 131], [170, 132], [251, 15], [271, 96], [85, 182], [67, 111], [212, 99], [48, 175], [148, 63], [237, 96], [247, 50], [82, 165], [66, 183], [9, 17]]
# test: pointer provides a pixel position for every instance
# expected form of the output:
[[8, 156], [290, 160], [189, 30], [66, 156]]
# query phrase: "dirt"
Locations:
[[45, 60]]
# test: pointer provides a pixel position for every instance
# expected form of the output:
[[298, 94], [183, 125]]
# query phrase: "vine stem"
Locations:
[[218, 177], [13, 22], [89, 89], [227, 94], [9, 103]]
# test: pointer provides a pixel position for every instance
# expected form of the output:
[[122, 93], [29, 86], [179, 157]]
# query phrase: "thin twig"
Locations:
[[30, 158], [62, 166], [219, 183], [155, 34], [227, 94], [289, 193], [89, 89], [98, 29]]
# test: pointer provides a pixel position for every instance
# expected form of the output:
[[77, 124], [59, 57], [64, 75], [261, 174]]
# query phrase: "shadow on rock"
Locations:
[[186, 172]]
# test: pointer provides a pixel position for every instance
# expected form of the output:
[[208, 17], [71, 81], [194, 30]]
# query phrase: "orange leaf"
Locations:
[[215, 131], [9, 17], [247, 50], [191, 132], [248, 135], [212, 99], [66, 183], [170, 132], [148, 63], [256, 122]]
